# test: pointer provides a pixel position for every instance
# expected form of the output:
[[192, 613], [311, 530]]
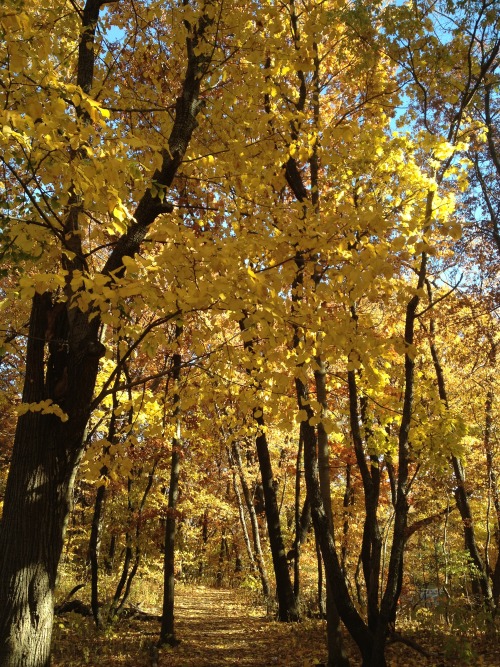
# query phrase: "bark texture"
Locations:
[[47, 451]]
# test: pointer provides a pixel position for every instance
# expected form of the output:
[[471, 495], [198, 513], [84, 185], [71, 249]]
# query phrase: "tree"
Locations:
[[246, 170], [50, 435], [167, 632]]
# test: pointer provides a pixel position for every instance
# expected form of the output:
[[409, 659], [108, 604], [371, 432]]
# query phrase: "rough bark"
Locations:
[[45, 457], [47, 451]]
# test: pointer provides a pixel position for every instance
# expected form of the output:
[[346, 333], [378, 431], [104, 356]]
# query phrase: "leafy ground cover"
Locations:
[[220, 628]]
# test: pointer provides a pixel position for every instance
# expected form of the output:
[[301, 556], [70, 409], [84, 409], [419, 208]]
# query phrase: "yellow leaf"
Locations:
[[118, 214], [301, 416]]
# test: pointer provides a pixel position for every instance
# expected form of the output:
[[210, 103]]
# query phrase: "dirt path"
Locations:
[[222, 628], [218, 628]]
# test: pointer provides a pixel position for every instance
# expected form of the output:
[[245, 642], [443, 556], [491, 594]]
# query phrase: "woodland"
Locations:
[[250, 253]]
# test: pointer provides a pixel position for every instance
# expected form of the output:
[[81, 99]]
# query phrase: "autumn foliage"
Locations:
[[249, 295]]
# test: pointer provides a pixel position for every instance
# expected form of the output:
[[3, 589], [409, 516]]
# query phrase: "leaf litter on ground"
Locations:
[[228, 627]]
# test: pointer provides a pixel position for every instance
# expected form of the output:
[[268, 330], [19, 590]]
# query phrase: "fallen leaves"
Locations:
[[224, 628]]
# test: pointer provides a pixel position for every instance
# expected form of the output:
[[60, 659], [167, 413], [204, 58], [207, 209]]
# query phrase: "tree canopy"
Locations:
[[249, 247]]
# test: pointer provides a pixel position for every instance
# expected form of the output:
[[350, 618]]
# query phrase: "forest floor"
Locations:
[[223, 628]]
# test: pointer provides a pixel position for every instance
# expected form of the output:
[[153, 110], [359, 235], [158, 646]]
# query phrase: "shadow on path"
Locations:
[[218, 628]]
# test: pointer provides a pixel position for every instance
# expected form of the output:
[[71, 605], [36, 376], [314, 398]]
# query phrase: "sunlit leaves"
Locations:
[[369, 103]]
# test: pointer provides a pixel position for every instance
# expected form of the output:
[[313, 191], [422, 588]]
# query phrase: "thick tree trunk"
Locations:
[[29, 561], [47, 450], [45, 457]]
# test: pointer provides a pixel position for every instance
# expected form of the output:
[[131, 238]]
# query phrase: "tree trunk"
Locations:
[[115, 603], [204, 541], [45, 457], [480, 578], [347, 504], [336, 653], [350, 616], [493, 491], [110, 556], [133, 552], [321, 588], [396, 561], [244, 529], [167, 631], [371, 545], [47, 450], [287, 604], [94, 548], [297, 545], [97, 521], [253, 522], [223, 553]]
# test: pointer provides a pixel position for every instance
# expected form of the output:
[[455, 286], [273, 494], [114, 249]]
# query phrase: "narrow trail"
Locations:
[[219, 628], [224, 628]]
